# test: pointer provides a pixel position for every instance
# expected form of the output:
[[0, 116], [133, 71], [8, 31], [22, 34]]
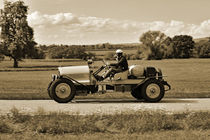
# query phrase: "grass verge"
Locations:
[[160, 135], [43, 124]]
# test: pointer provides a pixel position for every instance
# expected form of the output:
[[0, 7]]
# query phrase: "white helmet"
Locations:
[[119, 51]]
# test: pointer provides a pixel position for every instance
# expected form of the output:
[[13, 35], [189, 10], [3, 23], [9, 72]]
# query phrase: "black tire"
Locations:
[[136, 93], [62, 90], [48, 90], [152, 90]]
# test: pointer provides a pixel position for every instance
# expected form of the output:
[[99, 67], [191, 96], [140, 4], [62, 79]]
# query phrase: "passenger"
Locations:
[[120, 66]]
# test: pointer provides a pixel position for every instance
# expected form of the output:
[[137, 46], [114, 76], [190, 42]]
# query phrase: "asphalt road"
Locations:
[[106, 106]]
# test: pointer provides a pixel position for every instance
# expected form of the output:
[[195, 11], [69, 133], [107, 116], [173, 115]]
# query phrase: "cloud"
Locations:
[[67, 28], [201, 30], [37, 19]]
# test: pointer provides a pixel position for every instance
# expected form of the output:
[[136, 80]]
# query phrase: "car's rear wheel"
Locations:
[[152, 90], [136, 93], [62, 90]]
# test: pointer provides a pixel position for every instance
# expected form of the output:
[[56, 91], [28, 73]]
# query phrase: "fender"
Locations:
[[73, 80], [162, 81], [140, 84], [54, 77], [166, 84], [49, 85]]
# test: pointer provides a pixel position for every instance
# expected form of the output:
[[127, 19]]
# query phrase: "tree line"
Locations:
[[160, 46]]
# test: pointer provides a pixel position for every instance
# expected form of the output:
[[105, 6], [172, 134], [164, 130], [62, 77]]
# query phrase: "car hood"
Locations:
[[73, 70]]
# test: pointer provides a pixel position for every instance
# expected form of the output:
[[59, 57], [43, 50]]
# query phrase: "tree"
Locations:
[[141, 53], [16, 35], [203, 49], [157, 44], [183, 46]]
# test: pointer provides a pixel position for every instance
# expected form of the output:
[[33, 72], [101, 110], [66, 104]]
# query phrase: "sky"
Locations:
[[115, 21]]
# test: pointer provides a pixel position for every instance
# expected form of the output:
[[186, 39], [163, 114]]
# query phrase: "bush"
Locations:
[[65, 51], [203, 49], [38, 54], [5, 128], [17, 117], [183, 46]]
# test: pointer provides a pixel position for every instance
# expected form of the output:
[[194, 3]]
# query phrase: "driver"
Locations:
[[120, 66]]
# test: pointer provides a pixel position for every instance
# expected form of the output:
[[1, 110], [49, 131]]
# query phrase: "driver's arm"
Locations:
[[113, 64], [118, 63]]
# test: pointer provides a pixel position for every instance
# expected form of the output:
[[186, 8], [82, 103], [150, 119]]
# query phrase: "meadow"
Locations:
[[125, 125], [188, 77]]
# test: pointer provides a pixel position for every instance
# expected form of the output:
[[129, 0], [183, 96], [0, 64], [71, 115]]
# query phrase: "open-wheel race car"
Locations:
[[144, 83]]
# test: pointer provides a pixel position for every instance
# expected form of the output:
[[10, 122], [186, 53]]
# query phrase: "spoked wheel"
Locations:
[[62, 90], [152, 90]]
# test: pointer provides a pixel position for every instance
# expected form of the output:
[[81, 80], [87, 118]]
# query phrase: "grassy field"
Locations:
[[126, 125], [188, 77], [39, 64], [160, 135]]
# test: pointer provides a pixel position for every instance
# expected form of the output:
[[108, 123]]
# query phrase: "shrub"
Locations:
[[65, 51], [183, 46], [18, 117], [5, 128], [203, 49]]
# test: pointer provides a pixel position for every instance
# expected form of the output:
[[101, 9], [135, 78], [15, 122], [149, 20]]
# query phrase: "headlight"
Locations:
[[59, 72]]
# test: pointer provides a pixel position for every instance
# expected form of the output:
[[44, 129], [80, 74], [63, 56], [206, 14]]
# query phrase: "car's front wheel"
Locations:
[[48, 89], [62, 90]]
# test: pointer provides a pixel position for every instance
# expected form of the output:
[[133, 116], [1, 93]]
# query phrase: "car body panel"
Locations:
[[73, 70]]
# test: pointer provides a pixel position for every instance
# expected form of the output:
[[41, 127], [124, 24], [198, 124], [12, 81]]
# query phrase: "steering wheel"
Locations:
[[104, 62]]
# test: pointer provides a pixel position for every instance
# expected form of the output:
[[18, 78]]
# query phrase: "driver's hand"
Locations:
[[107, 63]]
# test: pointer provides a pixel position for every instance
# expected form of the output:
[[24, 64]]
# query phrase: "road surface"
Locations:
[[105, 106]]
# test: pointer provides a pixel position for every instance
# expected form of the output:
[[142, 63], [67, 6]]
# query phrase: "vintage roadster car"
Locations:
[[144, 83]]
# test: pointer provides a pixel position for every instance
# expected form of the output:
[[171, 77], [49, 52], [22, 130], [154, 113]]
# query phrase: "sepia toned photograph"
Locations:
[[104, 69]]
